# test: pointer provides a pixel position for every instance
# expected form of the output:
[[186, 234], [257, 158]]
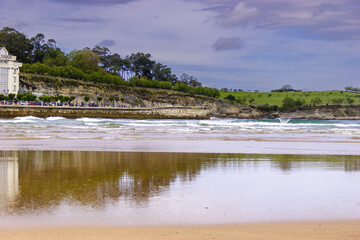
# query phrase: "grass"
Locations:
[[276, 98]]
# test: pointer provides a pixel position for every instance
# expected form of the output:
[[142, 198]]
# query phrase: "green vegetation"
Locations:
[[308, 98], [97, 65]]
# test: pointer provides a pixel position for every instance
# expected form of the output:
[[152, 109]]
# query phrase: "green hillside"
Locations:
[[276, 98]]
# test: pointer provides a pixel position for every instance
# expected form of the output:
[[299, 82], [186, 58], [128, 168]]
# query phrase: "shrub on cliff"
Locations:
[[74, 73], [268, 108], [290, 103], [211, 92], [230, 97], [182, 87]]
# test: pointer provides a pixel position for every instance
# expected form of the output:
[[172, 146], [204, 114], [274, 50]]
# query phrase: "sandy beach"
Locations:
[[344, 230]]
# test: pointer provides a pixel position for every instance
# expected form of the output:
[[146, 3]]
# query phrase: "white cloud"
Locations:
[[281, 41]]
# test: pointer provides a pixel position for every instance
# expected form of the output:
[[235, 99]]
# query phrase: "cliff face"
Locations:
[[158, 98], [105, 112], [349, 112], [132, 96]]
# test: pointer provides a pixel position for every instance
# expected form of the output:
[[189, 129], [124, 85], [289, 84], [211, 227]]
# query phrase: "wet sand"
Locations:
[[257, 146], [344, 230]]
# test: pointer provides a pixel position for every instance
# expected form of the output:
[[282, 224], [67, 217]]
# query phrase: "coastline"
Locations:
[[12, 111], [246, 146], [224, 110], [344, 230]]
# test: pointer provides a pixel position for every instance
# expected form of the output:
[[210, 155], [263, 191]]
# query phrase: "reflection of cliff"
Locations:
[[289, 162], [93, 178], [9, 174], [44, 179]]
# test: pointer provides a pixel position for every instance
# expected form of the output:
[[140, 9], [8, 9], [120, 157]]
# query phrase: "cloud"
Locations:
[[284, 39], [95, 2], [240, 15], [14, 23], [107, 43], [227, 43], [335, 19], [82, 20]]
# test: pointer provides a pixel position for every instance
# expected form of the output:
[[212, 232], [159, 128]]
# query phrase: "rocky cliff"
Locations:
[[159, 98], [132, 96]]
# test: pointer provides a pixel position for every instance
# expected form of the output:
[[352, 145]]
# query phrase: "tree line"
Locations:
[[97, 64], [352, 89]]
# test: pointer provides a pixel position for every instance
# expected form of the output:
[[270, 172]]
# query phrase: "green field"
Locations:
[[276, 98]]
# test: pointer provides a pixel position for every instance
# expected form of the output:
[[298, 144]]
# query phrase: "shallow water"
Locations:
[[214, 129], [207, 136], [118, 188]]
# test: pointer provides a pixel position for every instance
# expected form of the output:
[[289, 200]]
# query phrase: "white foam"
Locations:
[[85, 119], [27, 119], [55, 118]]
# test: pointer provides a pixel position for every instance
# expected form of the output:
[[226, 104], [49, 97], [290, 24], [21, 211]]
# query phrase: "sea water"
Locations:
[[95, 171], [214, 135]]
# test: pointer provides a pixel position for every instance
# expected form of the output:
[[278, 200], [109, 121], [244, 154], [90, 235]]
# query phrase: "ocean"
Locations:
[[123, 172], [289, 136]]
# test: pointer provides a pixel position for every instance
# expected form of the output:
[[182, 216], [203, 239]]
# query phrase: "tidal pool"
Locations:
[[42, 188]]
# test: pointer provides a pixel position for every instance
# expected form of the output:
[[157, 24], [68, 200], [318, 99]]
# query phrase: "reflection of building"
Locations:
[[9, 177], [9, 72]]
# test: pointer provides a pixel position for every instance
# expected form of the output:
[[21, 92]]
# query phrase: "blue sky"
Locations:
[[249, 44]]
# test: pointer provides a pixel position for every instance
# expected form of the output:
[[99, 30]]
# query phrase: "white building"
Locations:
[[9, 73]]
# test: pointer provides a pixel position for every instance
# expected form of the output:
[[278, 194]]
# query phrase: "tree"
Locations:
[[16, 43], [45, 98], [193, 82], [72, 98], [51, 43], [99, 98], [66, 99], [29, 97], [115, 64], [55, 57], [85, 60], [86, 99], [185, 78], [11, 96], [111, 99], [19, 96], [287, 88], [38, 47], [163, 73], [104, 54], [141, 64], [348, 89]]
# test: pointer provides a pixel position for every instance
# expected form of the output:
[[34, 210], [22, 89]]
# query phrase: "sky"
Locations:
[[249, 44]]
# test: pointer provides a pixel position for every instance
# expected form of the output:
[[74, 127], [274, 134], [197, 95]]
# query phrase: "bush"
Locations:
[[182, 87], [290, 103], [230, 97], [337, 100], [267, 107], [315, 101], [350, 100]]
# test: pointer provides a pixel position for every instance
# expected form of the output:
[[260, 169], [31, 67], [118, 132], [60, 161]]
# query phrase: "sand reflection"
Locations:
[[41, 181]]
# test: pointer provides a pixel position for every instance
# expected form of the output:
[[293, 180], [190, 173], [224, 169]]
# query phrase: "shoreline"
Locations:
[[12, 111], [330, 230], [351, 112], [188, 146]]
